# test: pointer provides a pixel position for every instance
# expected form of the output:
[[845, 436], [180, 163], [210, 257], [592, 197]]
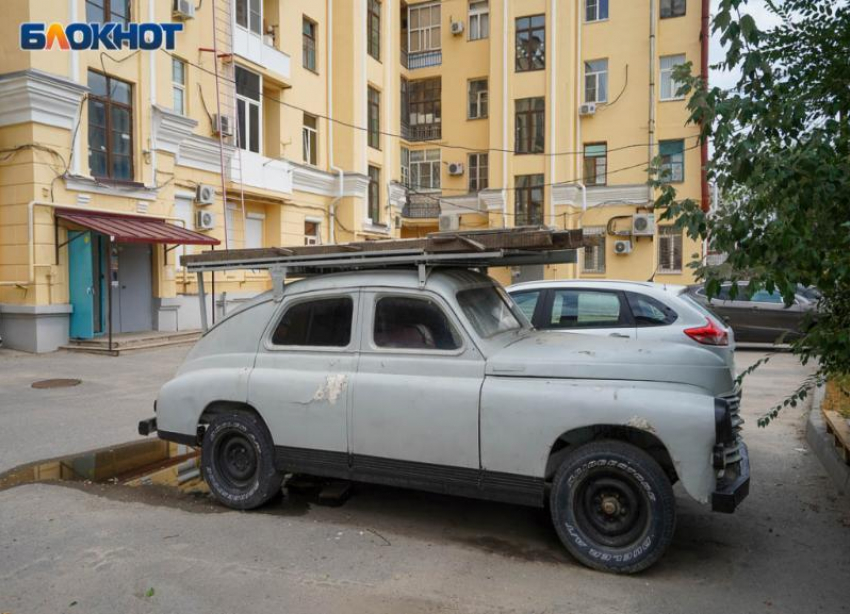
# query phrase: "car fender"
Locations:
[[522, 418]]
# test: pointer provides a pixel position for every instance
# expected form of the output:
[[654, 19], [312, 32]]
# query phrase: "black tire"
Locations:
[[237, 460], [613, 507]]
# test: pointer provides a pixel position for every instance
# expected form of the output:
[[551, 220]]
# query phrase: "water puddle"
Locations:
[[152, 462]]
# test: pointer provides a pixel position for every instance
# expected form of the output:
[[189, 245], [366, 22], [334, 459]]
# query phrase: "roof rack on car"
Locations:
[[467, 249]]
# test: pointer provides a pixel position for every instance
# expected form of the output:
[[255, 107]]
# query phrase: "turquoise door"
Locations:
[[81, 288]]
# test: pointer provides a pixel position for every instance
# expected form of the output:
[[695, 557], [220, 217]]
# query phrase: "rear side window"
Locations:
[[763, 296], [404, 322], [586, 309], [321, 323], [527, 302], [648, 311]]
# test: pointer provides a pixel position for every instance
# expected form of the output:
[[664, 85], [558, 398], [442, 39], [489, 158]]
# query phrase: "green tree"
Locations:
[[781, 158]]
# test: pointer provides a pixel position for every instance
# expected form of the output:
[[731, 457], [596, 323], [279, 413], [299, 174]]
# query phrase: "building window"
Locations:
[[478, 172], [424, 28], [595, 10], [530, 125], [669, 86], [374, 118], [596, 164], [531, 43], [479, 19], [248, 90], [375, 194], [405, 166], [672, 161], [593, 260], [478, 98], [669, 249], [310, 134], [529, 200], [249, 15], [373, 34], [425, 170], [312, 234], [596, 81], [254, 230], [425, 109], [673, 8], [110, 127], [103, 11], [308, 44], [178, 86]]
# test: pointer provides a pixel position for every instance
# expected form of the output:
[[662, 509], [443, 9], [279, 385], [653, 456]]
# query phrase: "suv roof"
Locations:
[[618, 284]]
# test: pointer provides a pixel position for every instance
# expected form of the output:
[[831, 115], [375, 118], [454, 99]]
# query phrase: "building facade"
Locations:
[[290, 122]]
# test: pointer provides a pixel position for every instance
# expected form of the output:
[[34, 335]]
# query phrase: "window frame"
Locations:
[[598, 251], [426, 32], [373, 103], [674, 235], [373, 29], [248, 13], [437, 300], [310, 140], [669, 11], [476, 16], [528, 190], [425, 97], [478, 103], [522, 51], [316, 235], [107, 11], [310, 44], [598, 4], [593, 180], [667, 74], [179, 85], [598, 76], [254, 217], [354, 297], [108, 103], [632, 297], [374, 201], [669, 164], [475, 176], [248, 101], [417, 186], [535, 122]]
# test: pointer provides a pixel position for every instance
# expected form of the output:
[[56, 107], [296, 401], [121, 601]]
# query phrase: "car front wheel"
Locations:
[[613, 507], [237, 460]]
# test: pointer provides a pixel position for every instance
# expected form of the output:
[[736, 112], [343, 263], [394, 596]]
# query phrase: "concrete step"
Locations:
[[131, 343]]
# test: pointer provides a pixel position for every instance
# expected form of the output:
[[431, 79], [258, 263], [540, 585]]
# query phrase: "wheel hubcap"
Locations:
[[611, 508], [236, 459]]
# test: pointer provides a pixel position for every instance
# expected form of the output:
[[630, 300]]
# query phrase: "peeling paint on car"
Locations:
[[640, 423], [332, 389]]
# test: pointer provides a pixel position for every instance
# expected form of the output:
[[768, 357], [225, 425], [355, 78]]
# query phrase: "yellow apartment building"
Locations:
[[291, 122]]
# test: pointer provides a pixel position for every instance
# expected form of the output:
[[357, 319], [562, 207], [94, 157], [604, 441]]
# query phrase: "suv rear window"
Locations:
[[320, 323], [648, 311]]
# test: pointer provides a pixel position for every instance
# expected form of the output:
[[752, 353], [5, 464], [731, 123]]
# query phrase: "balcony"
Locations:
[[423, 59], [253, 47], [423, 132], [421, 207], [258, 171]]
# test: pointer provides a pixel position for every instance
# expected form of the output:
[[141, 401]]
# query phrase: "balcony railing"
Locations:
[[421, 207], [424, 132], [424, 59], [404, 58]]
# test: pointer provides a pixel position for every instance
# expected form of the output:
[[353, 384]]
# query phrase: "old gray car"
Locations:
[[441, 384]]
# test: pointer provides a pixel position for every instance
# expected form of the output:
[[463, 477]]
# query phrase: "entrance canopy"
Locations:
[[135, 229]]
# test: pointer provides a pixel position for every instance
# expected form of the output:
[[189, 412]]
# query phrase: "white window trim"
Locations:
[[597, 20], [672, 254], [477, 13], [596, 74], [597, 249], [260, 217], [259, 105], [248, 9], [486, 94], [668, 73], [318, 236], [435, 164], [410, 30], [305, 129], [478, 175], [177, 85]]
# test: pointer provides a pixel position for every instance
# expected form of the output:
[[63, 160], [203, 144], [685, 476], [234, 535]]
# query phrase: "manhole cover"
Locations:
[[57, 383]]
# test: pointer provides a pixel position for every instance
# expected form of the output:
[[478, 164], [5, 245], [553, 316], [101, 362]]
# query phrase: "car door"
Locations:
[[736, 311], [773, 321], [589, 311], [302, 377], [417, 388]]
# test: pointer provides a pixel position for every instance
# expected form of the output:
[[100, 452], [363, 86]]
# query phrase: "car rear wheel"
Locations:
[[237, 460], [613, 507]]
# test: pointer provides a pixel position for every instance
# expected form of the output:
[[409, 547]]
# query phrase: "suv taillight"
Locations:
[[710, 334]]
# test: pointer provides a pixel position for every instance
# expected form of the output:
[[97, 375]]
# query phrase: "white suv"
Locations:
[[628, 309]]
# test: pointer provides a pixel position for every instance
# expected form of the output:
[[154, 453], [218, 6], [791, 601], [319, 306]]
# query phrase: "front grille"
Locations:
[[730, 454]]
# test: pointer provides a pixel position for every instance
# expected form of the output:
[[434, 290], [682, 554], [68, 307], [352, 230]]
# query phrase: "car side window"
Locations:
[[763, 296], [527, 302], [586, 309], [323, 322], [403, 322], [648, 311]]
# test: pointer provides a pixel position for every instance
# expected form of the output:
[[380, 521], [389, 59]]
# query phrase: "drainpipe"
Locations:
[[31, 232], [505, 111], [152, 63], [553, 106], [338, 170], [651, 128], [579, 171], [704, 35]]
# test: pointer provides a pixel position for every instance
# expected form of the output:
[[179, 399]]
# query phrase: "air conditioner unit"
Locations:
[[184, 9], [457, 28], [643, 225], [622, 247], [222, 125], [205, 194], [311, 240], [205, 220], [456, 168], [588, 108], [449, 223]]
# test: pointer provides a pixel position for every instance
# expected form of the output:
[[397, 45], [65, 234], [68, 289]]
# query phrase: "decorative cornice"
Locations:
[[76, 183], [35, 96], [261, 172], [356, 184], [202, 153], [313, 180], [170, 129], [493, 200], [597, 196]]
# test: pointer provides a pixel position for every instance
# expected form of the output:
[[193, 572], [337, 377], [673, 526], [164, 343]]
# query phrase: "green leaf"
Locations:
[[150, 592]]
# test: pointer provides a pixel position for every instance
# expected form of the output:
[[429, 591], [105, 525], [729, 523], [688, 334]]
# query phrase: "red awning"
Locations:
[[135, 229]]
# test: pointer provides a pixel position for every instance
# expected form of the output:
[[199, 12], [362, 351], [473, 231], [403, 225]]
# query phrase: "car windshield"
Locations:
[[488, 310]]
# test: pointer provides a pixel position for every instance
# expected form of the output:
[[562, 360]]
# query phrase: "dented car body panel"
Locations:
[[479, 416]]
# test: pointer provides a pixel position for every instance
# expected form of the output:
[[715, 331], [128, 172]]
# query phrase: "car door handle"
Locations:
[[619, 336]]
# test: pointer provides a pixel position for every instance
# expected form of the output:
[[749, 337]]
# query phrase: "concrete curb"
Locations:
[[822, 445]]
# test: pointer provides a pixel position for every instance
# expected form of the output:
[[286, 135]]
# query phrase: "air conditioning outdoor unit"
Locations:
[[311, 240], [184, 9], [588, 108], [449, 223], [622, 247], [456, 168], [222, 125], [457, 28], [205, 194], [205, 220], [643, 225]]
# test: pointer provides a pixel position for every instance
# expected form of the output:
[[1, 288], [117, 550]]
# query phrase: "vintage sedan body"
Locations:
[[444, 386]]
